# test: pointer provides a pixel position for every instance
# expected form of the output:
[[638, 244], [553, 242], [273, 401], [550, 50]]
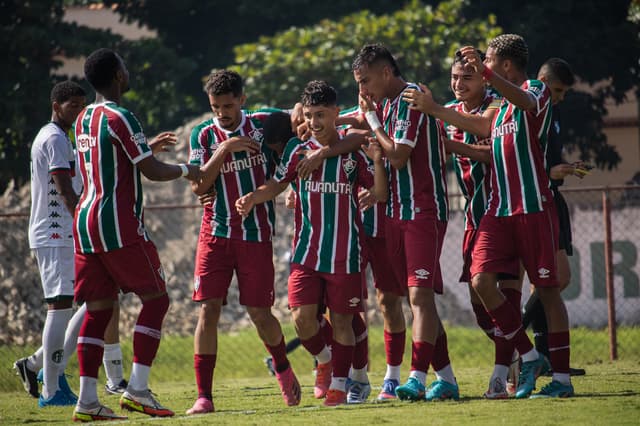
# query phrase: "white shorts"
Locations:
[[57, 271]]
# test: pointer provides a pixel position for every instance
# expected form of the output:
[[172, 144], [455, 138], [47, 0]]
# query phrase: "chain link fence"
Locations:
[[174, 229]]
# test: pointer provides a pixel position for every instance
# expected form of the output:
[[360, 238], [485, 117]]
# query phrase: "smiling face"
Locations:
[[227, 108], [467, 86], [321, 120]]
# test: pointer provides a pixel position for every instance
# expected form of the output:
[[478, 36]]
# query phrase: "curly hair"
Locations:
[[101, 68], [374, 53], [65, 90], [277, 128], [318, 92], [512, 47], [222, 82]]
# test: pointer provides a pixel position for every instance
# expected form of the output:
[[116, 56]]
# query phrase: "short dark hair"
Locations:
[[222, 82], [512, 47], [558, 70], [277, 128], [375, 53], [459, 59], [65, 90], [318, 92], [101, 67]]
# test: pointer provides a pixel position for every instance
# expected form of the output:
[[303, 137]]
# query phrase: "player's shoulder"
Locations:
[[453, 104], [535, 86]]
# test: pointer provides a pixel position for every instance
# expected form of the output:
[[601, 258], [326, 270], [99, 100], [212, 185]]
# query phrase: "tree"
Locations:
[[423, 40]]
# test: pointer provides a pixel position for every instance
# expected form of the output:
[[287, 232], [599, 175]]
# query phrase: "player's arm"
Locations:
[[562, 170], [479, 125], [514, 94], [380, 188], [211, 169], [62, 181], [266, 192], [314, 158], [397, 154], [481, 153], [154, 169]]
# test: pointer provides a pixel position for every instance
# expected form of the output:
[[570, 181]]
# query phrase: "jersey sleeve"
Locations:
[[542, 96], [365, 170], [59, 154], [126, 129], [197, 146], [286, 170], [407, 124]]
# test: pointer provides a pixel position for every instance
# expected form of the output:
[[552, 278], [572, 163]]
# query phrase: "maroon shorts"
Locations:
[[132, 269], [467, 250], [413, 250], [502, 243], [374, 252], [216, 260], [341, 293]]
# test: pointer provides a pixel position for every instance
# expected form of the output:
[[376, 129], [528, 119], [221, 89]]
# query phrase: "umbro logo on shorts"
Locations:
[[543, 273], [353, 302], [422, 274]]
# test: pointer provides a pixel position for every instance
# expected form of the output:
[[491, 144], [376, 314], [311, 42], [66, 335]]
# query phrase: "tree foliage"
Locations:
[[422, 38]]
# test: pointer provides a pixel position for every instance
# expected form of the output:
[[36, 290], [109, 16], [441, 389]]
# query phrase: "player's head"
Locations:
[[558, 76], [105, 70], [373, 68], [466, 84], [507, 54], [276, 131], [67, 100], [226, 97], [319, 107]]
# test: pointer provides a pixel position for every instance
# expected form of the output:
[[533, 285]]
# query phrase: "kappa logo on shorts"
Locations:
[[196, 282], [353, 302], [422, 274], [543, 273], [349, 166]]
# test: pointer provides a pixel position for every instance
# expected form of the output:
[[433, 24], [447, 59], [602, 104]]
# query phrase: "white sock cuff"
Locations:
[[112, 352]]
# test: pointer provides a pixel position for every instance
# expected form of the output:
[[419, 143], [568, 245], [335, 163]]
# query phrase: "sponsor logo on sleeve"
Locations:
[[402, 125], [139, 138]]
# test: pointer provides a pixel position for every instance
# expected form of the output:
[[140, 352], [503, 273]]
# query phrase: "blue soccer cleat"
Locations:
[[529, 372], [555, 389], [413, 390], [441, 390]]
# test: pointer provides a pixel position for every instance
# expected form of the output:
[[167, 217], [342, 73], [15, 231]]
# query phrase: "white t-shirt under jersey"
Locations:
[[50, 224]]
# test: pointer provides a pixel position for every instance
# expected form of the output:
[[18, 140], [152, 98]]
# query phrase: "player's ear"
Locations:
[[243, 99]]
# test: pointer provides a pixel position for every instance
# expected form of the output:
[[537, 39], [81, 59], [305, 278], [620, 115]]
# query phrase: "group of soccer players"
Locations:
[[368, 186]]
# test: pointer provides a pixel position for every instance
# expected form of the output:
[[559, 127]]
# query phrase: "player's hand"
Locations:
[[161, 142], [312, 160], [297, 117], [420, 101], [303, 131], [208, 197], [472, 58], [373, 150], [290, 201], [244, 204], [366, 199], [581, 169], [240, 144], [366, 103]]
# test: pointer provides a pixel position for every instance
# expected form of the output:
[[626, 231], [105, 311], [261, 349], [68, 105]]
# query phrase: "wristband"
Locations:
[[372, 120], [487, 73], [184, 168]]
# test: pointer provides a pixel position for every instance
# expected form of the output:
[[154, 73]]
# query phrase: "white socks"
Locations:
[[112, 361], [139, 380], [53, 348], [324, 356], [393, 373]]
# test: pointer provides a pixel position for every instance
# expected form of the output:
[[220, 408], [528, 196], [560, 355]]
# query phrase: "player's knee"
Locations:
[[260, 316], [160, 304]]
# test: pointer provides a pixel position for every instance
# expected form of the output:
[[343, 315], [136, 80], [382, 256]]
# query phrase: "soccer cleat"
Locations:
[[27, 376], [95, 414], [201, 406], [572, 372], [323, 380], [268, 361], [335, 397], [66, 389], [59, 399], [497, 389], [441, 390], [413, 390], [388, 391], [555, 389], [358, 392], [145, 403], [529, 372], [118, 389], [289, 387]]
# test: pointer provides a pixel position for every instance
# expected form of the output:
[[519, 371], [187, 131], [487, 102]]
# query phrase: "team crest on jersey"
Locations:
[[402, 125], [84, 142], [349, 165], [139, 138], [256, 135]]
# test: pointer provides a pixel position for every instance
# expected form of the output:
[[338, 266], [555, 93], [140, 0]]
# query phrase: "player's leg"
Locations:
[[112, 358], [359, 388], [342, 354]]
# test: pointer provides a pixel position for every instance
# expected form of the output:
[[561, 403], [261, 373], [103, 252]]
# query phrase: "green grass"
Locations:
[[245, 394]]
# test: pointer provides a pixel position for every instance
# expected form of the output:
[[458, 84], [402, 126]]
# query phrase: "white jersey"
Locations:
[[50, 224]]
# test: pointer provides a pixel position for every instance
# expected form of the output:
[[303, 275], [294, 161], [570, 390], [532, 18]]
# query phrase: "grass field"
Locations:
[[245, 394]]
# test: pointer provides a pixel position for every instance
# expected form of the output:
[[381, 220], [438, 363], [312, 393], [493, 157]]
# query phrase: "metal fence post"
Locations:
[[608, 263]]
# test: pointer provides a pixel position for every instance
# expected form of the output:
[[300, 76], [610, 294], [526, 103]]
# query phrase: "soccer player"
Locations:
[[556, 74], [235, 161], [112, 248], [326, 260], [520, 224], [417, 212]]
